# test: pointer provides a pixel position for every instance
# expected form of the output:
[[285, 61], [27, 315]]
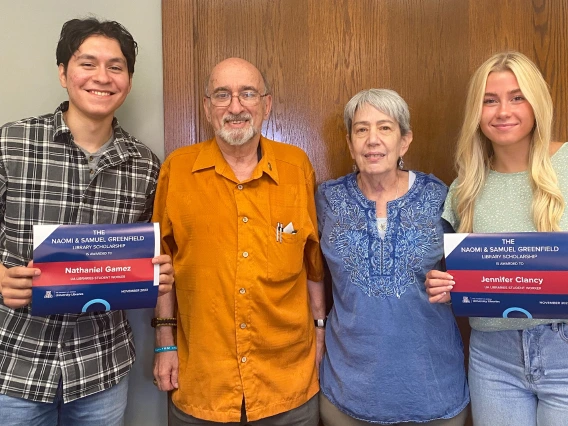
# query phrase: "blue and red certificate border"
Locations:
[[88, 268], [509, 275]]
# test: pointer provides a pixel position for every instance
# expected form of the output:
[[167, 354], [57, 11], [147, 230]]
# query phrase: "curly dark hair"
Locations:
[[76, 31]]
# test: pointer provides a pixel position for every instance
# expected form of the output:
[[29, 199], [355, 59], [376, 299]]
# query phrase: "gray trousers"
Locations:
[[305, 415]]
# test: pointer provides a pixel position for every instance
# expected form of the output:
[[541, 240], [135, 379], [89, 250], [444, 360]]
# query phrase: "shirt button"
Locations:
[[243, 325], [91, 158], [245, 254], [240, 186], [242, 291], [245, 219], [244, 359], [92, 171]]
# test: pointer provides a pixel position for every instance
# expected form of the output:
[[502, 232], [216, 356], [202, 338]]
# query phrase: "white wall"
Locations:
[[29, 31]]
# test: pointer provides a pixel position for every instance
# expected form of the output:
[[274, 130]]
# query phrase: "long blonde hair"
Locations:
[[474, 150]]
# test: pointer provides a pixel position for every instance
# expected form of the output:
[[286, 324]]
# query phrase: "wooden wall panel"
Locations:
[[425, 58], [346, 54], [318, 53], [181, 96]]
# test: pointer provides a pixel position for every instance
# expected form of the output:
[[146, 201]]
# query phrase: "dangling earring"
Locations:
[[355, 168], [400, 163]]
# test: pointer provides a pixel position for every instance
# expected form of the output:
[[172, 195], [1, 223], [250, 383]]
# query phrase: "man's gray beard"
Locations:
[[237, 137]]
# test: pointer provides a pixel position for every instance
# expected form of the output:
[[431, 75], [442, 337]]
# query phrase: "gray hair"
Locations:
[[386, 101]]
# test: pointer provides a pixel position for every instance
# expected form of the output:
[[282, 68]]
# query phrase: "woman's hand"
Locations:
[[438, 286]]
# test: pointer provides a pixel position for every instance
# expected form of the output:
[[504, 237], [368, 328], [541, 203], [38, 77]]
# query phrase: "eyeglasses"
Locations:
[[247, 98]]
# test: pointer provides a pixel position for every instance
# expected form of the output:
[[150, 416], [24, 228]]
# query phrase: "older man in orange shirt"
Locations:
[[237, 215]]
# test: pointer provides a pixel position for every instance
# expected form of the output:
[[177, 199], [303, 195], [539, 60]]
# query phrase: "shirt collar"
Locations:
[[211, 156], [60, 126]]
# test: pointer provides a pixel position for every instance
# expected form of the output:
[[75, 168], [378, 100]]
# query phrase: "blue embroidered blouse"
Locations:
[[391, 355]]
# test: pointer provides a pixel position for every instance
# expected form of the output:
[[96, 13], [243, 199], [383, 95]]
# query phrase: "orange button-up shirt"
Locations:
[[245, 327]]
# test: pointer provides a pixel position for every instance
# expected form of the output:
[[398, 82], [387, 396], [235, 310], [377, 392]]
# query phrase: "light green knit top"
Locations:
[[504, 205]]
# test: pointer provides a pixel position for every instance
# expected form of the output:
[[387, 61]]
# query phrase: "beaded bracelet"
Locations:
[[165, 349], [163, 322], [167, 324]]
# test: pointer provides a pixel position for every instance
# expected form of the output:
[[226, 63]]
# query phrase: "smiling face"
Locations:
[[234, 124], [96, 79], [507, 118], [375, 142]]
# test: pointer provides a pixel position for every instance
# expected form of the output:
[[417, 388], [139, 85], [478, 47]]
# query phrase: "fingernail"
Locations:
[[451, 277], [452, 283]]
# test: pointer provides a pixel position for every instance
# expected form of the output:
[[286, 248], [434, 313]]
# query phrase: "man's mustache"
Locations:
[[240, 117]]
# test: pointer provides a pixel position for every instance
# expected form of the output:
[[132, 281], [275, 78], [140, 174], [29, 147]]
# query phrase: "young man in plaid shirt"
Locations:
[[75, 166]]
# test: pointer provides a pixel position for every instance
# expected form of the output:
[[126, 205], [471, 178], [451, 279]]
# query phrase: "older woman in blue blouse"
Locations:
[[392, 357]]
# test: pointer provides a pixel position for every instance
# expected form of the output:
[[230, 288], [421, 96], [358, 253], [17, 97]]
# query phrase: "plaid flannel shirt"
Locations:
[[45, 179]]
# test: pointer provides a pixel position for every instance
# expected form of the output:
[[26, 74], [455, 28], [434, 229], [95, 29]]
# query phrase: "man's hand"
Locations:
[[16, 285], [166, 363], [166, 370], [166, 273], [320, 346]]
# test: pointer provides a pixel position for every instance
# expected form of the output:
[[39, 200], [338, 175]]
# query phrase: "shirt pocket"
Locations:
[[285, 257]]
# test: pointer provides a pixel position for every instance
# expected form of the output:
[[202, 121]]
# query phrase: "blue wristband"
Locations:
[[165, 349]]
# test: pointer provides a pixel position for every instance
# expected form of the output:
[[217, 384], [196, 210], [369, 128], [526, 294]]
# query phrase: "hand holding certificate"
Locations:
[[87, 268], [520, 275]]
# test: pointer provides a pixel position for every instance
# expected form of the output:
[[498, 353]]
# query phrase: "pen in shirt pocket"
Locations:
[[281, 229]]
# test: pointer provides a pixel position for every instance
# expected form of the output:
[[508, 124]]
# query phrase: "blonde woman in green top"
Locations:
[[511, 178]]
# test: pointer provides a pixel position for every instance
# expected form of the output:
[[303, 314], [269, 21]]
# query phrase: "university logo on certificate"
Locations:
[[509, 275], [90, 268]]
